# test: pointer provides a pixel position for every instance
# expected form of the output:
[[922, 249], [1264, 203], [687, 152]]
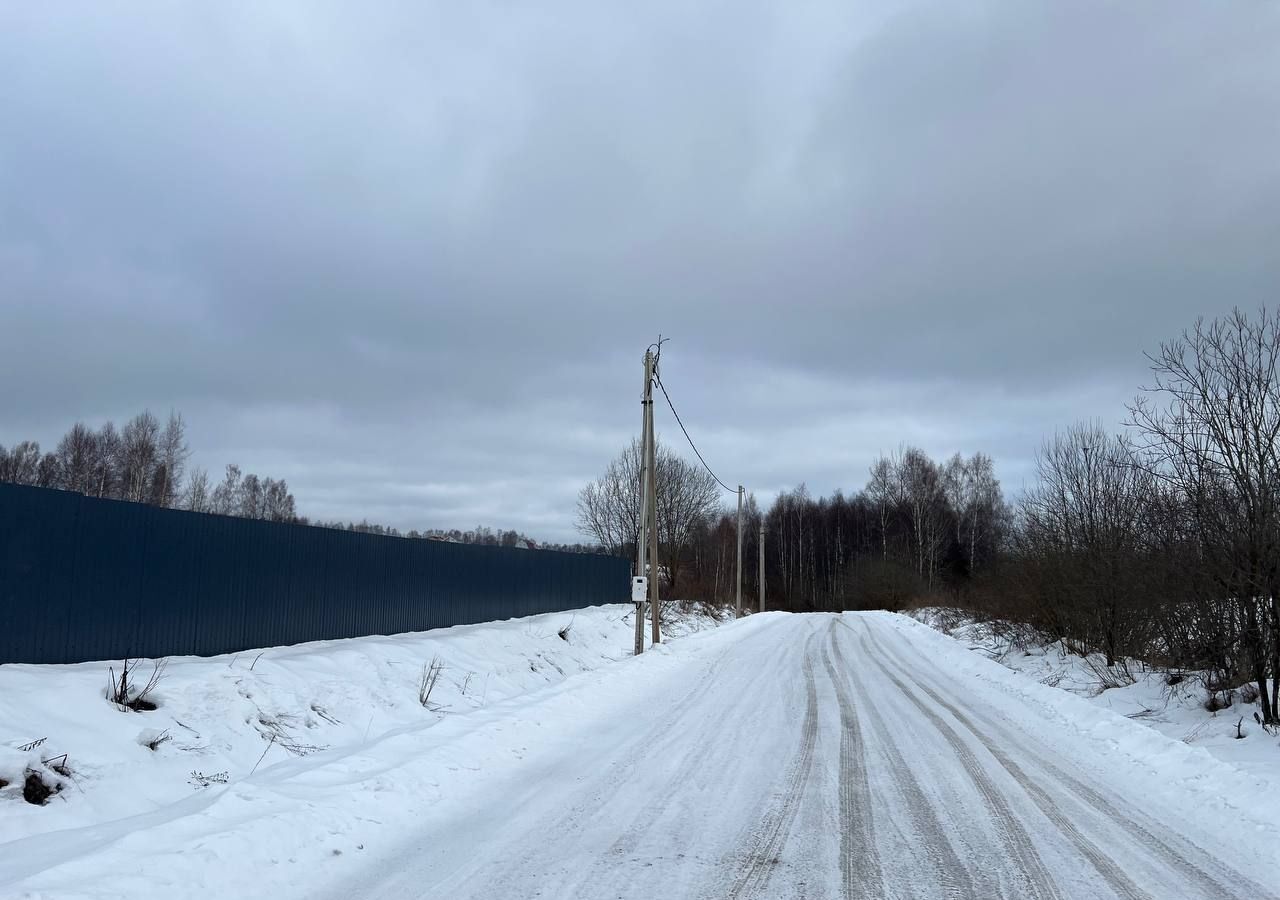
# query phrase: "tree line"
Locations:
[[144, 461], [481, 535], [1162, 541], [918, 527], [1158, 540]]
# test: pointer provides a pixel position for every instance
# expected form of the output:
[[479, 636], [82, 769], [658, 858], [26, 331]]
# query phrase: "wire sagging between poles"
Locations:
[[672, 407]]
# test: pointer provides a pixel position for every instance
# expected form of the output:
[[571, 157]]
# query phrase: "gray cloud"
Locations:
[[408, 256]]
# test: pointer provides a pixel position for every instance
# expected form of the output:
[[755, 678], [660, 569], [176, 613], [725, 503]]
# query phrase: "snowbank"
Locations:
[[1163, 738], [220, 718]]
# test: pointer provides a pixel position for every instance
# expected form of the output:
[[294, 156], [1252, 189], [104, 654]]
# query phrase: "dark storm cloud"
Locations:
[[408, 256]]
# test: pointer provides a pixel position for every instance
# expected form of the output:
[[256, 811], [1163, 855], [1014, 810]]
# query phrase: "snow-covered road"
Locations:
[[828, 756], [837, 756]]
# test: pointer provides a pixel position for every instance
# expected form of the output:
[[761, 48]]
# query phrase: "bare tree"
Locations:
[[277, 502], [688, 496], [250, 504], [922, 491], [609, 507], [225, 499], [973, 493], [21, 465], [173, 455], [882, 488], [139, 456], [1087, 521], [77, 457], [197, 497], [107, 479], [1211, 420], [48, 472]]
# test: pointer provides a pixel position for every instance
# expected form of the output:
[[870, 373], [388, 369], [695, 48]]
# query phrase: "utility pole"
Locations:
[[762, 531], [738, 603], [651, 498], [646, 405]]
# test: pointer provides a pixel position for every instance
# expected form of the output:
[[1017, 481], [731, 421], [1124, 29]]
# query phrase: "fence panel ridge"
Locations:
[[85, 579]]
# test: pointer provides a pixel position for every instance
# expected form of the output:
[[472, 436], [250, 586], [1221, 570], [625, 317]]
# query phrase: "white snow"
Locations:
[[224, 716], [1175, 711], [863, 755]]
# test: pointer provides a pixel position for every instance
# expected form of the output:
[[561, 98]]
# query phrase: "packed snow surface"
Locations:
[[855, 755]]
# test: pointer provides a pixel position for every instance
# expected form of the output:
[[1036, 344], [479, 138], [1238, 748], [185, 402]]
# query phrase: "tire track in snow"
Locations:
[[667, 732], [675, 739], [1119, 882], [1178, 857], [861, 873], [764, 846], [949, 872], [1038, 882]]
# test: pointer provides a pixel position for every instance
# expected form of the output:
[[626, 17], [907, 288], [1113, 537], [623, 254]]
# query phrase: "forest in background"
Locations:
[[145, 461], [1158, 540]]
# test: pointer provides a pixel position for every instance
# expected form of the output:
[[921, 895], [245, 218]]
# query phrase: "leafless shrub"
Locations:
[[1249, 693], [1195, 733], [1053, 679], [124, 691], [201, 780], [324, 713], [153, 743], [564, 632], [1209, 422], [271, 743], [427, 683], [1017, 637], [668, 612], [1218, 700], [58, 764], [1114, 676], [948, 619], [1215, 682], [278, 729]]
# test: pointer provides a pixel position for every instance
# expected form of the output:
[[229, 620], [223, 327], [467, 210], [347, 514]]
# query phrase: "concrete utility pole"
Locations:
[[762, 531], [738, 603], [646, 405], [655, 605]]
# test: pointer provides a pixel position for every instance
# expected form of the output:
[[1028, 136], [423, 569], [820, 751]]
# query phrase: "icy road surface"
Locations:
[[825, 756], [815, 756]]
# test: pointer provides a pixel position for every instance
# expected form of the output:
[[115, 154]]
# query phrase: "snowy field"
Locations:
[[863, 755]]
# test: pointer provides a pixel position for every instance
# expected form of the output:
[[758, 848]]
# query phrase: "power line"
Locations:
[[686, 433]]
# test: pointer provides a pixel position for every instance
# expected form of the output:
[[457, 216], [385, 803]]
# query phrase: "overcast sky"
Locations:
[[408, 255]]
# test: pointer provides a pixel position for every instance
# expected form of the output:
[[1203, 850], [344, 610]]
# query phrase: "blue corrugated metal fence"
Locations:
[[85, 579]]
